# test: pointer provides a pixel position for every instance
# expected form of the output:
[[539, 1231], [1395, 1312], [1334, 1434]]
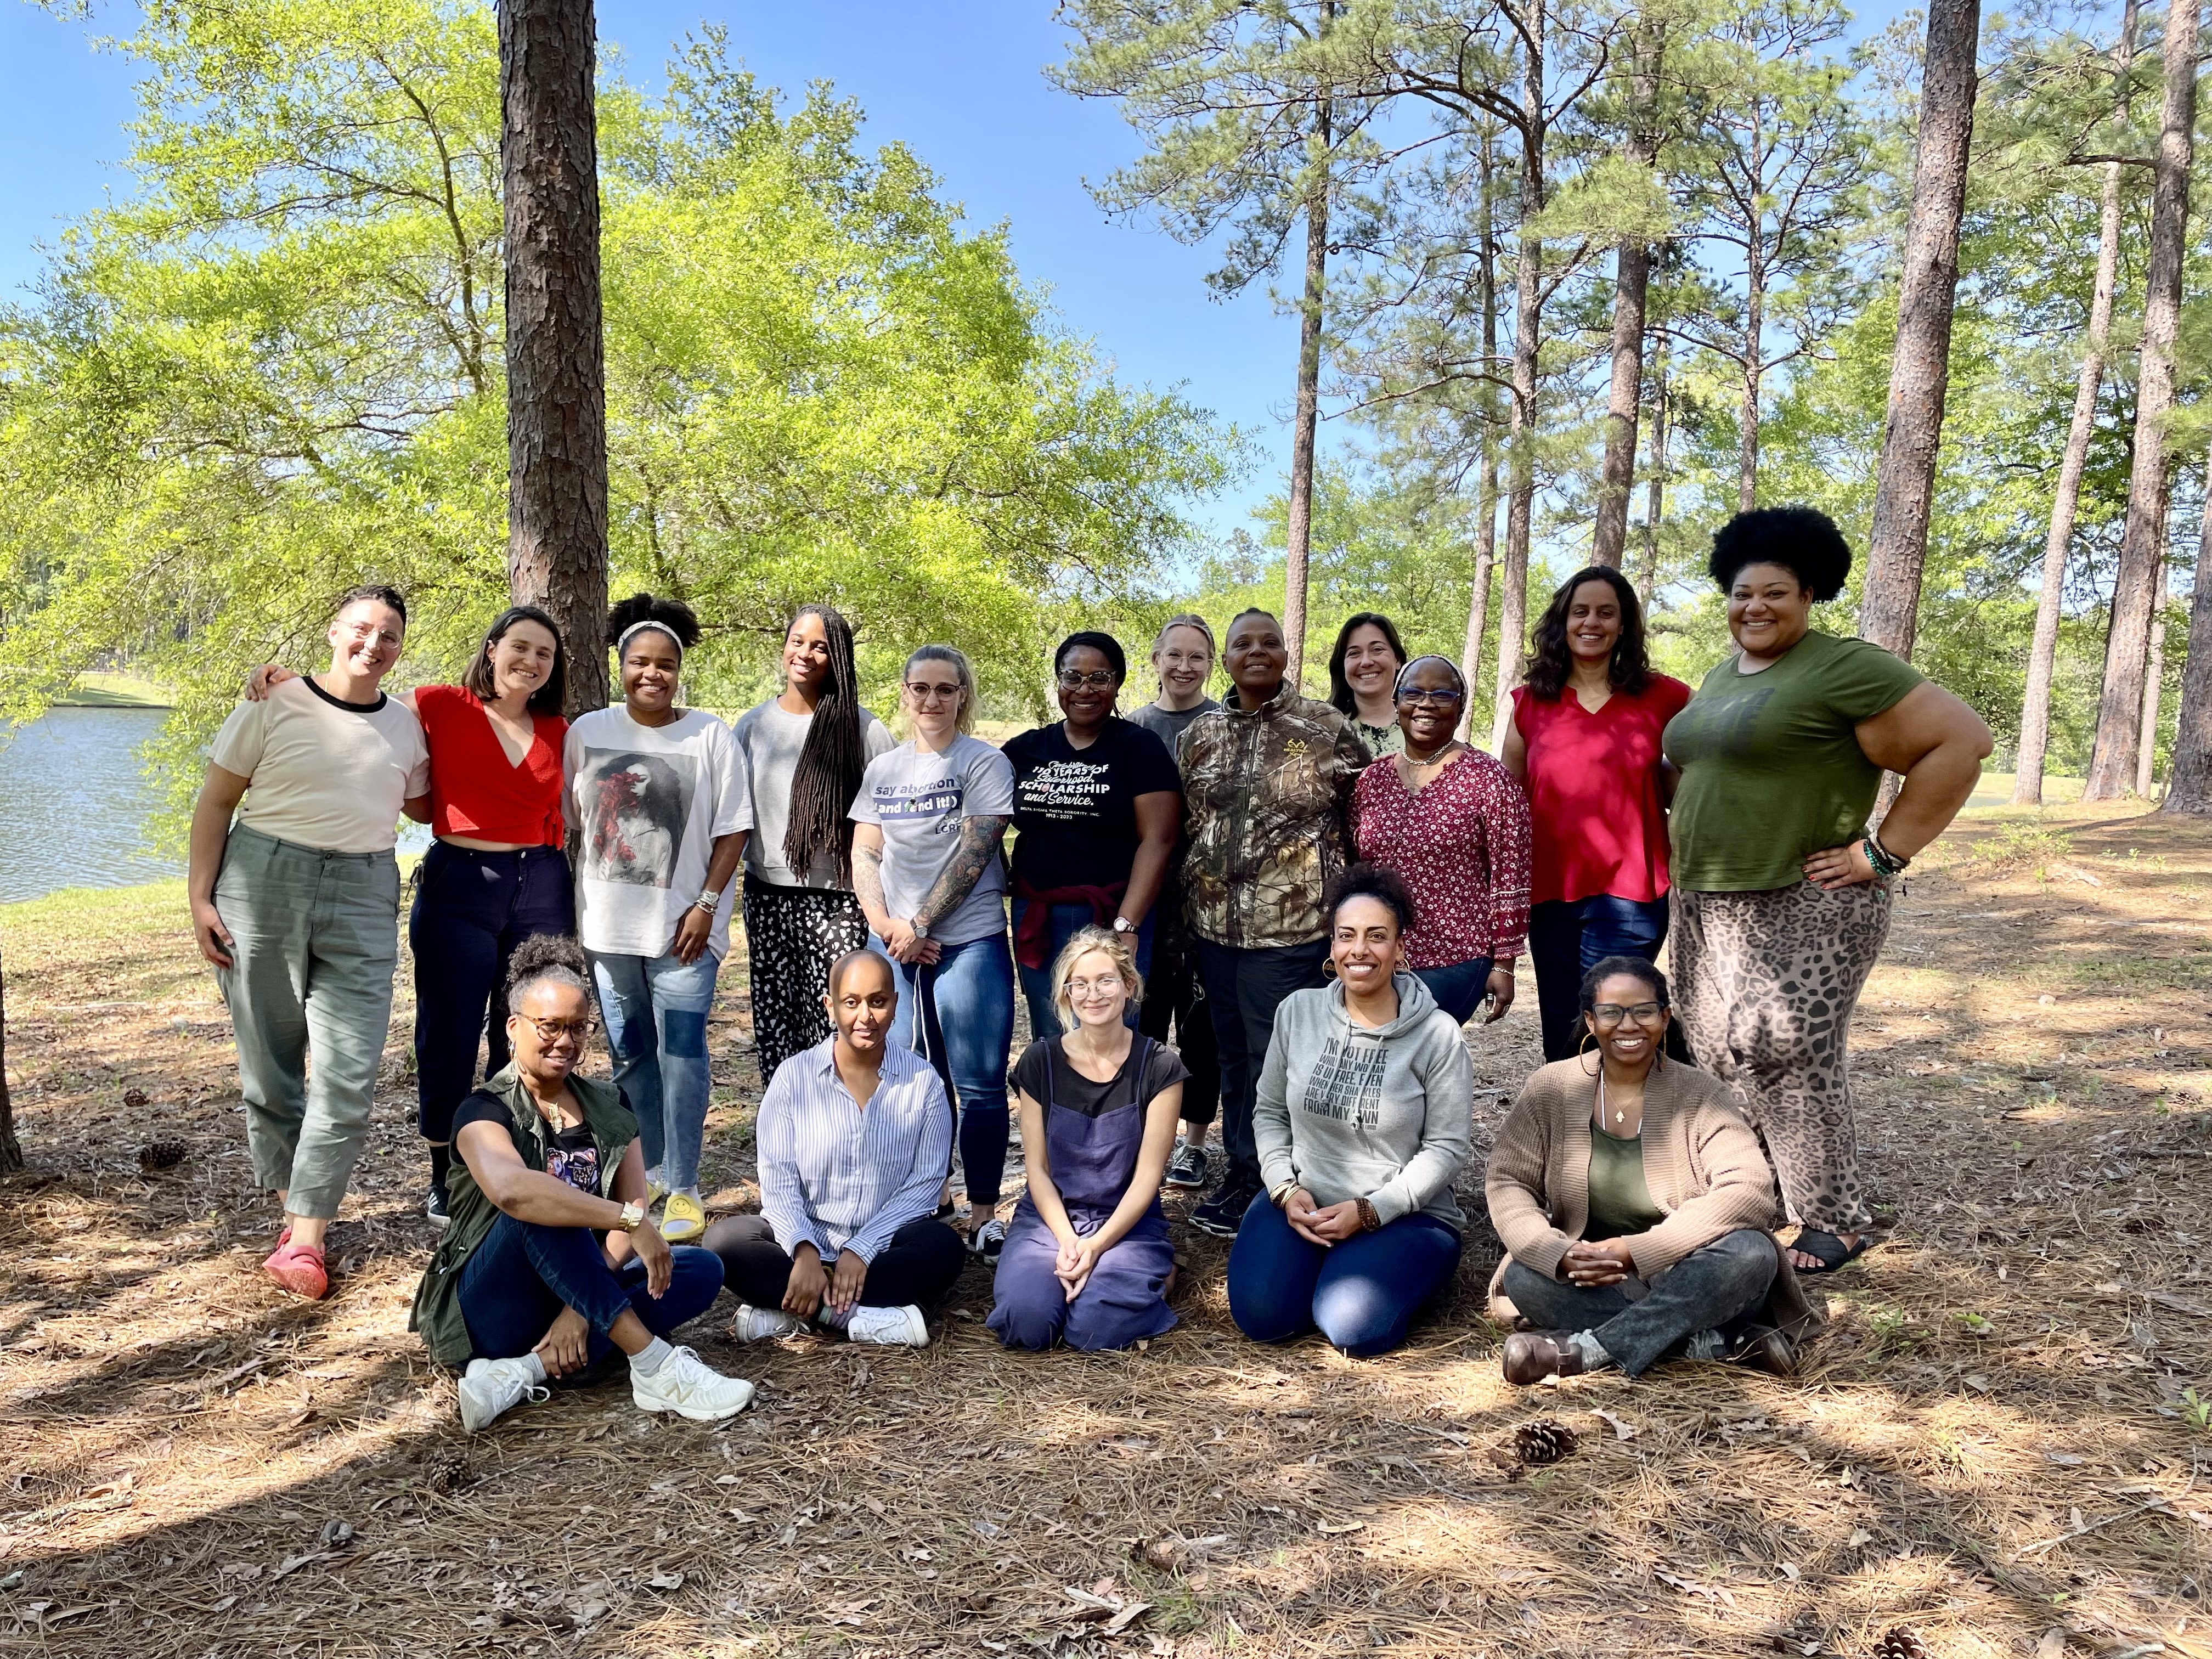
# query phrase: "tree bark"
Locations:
[[2154, 685], [11, 1150], [2119, 707], [2189, 775], [1298, 531], [1655, 503], [1754, 338], [1527, 323], [2042, 652], [1631, 283], [1485, 529], [1905, 484], [556, 438]]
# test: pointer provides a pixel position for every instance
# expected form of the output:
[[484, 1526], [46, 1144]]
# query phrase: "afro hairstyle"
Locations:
[[1803, 540]]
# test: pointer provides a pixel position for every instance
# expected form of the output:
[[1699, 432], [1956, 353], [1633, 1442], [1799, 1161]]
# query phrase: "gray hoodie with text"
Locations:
[[1381, 1114]]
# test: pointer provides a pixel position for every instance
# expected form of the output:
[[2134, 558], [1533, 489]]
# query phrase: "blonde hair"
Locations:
[[946, 654], [1188, 619], [1120, 947]]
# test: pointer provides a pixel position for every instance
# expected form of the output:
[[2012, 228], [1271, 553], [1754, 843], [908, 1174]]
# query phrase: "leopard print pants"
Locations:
[[792, 936], [1765, 984]]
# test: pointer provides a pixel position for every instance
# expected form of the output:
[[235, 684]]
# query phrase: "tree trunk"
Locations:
[[2043, 653], [557, 427], [1919, 374], [2154, 684], [2119, 708], [2189, 775], [1528, 321], [11, 1150], [1485, 529], [1754, 342], [1631, 282], [1298, 527], [1655, 505]]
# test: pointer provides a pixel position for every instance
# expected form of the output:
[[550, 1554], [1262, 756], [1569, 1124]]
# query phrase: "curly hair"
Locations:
[[546, 959], [1803, 540], [672, 617], [1550, 661], [377, 591], [1373, 881]]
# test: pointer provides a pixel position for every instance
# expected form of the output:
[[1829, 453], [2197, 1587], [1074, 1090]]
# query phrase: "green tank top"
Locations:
[[1620, 1204]]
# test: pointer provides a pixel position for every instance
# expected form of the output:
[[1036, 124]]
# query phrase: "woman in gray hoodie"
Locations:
[[1361, 1122]]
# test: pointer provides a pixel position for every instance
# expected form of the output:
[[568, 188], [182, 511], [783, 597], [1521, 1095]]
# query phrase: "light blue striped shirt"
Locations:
[[842, 1177]]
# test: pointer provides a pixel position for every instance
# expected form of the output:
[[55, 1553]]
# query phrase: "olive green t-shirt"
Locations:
[[1772, 768], [1620, 1204]]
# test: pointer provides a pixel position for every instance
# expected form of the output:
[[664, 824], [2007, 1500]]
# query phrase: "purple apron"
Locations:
[[1092, 1161]]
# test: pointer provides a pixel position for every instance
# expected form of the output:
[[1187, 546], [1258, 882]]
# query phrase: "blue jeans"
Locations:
[[958, 1013], [656, 1013], [515, 1283], [472, 910], [1567, 937], [1068, 920], [1363, 1293], [1459, 989]]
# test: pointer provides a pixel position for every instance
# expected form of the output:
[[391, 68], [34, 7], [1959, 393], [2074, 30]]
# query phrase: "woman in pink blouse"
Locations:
[[1454, 824]]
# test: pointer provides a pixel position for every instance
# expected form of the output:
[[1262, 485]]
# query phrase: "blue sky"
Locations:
[[961, 83]]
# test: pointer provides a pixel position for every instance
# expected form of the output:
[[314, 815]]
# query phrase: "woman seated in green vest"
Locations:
[[550, 1264], [1635, 1206]]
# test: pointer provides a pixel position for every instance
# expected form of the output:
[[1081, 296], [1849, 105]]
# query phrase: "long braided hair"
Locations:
[[830, 762]]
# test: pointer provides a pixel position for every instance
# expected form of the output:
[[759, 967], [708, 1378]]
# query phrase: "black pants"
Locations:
[[1173, 991], [1244, 987], [916, 1268]]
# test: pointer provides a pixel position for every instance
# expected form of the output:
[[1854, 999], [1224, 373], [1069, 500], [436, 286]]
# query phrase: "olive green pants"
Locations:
[[315, 937]]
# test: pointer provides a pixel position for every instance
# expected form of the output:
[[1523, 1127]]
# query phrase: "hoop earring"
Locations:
[[1328, 967], [1582, 1047]]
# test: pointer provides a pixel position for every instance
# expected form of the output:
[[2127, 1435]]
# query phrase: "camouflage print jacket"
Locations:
[[1266, 792]]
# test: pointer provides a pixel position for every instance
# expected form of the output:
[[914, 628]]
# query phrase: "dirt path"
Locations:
[[2001, 1444]]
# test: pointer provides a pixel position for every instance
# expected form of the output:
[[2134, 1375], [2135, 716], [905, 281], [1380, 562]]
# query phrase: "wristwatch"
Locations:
[[709, 902], [633, 1218], [920, 928], [1123, 925]]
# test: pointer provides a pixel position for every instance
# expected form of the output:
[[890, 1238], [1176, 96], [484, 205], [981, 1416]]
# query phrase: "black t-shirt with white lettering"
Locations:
[[1075, 813]]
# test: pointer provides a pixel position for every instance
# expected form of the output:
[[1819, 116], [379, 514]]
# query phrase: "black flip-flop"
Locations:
[[1828, 1250]]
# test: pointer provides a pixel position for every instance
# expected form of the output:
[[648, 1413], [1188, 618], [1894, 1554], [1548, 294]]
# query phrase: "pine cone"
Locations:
[[1544, 1440], [134, 1097], [447, 1470], [161, 1154], [1900, 1643]]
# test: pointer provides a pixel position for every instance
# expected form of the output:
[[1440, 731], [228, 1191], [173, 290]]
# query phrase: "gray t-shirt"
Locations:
[[771, 739], [919, 799], [1168, 724]]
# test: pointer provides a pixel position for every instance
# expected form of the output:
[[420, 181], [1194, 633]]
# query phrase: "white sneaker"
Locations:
[[492, 1388], [890, 1328], [685, 1385], [757, 1324]]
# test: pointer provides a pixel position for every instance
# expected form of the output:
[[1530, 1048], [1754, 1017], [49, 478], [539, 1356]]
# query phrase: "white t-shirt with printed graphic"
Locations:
[[919, 798], [650, 802]]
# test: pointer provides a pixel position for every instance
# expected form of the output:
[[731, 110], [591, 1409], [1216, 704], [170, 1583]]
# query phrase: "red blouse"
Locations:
[[475, 790], [1461, 845], [1594, 797]]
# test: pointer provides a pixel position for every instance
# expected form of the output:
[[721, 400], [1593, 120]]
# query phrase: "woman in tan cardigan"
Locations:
[[1635, 1206]]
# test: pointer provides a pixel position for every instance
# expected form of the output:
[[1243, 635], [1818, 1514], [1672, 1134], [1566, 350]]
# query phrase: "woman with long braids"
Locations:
[[659, 796], [1584, 742], [806, 750]]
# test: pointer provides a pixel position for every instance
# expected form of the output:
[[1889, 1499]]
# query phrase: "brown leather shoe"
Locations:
[[1765, 1349], [1531, 1356]]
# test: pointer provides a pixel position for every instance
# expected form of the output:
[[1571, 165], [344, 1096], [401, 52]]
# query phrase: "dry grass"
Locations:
[[1998, 1439]]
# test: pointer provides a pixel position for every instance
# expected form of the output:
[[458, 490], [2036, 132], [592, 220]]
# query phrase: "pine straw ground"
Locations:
[[1998, 1444]]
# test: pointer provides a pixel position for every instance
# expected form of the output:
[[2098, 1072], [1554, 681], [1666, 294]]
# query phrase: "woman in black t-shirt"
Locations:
[[1097, 804]]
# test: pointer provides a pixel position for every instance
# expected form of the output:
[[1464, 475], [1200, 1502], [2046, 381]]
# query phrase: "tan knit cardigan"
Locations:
[[1702, 1163]]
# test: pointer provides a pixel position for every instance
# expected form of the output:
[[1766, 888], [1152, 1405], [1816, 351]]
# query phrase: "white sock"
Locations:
[[1705, 1345], [535, 1366], [646, 1360], [1594, 1357], [652, 1177], [691, 1192]]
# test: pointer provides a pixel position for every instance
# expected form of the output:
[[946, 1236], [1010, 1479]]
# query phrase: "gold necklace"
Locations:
[[1620, 1116]]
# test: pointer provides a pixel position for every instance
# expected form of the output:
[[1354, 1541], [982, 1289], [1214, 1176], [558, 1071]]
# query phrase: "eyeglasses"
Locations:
[[550, 1030], [921, 693], [1084, 987], [1099, 679], [363, 633], [1414, 693], [1607, 1015]]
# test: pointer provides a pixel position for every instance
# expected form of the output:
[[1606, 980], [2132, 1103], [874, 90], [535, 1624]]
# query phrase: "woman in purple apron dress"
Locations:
[[1087, 1260]]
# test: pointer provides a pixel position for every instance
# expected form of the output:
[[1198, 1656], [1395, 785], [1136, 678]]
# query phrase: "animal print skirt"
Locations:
[[792, 936], [1765, 984]]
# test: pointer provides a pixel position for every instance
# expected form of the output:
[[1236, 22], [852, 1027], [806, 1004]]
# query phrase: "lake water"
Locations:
[[74, 804]]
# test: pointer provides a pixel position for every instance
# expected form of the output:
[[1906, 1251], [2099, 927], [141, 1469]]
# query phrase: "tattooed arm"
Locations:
[[868, 887], [979, 844]]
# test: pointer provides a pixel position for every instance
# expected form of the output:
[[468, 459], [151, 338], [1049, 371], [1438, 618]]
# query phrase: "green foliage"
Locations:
[[276, 369]]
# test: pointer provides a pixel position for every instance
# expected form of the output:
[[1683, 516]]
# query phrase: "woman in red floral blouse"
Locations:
[[1453, 823]]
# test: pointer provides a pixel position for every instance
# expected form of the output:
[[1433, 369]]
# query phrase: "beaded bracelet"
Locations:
[[1884, 863]]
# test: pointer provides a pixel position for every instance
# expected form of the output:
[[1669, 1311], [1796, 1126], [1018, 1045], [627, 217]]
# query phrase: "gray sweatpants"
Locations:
[[315, 939]]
